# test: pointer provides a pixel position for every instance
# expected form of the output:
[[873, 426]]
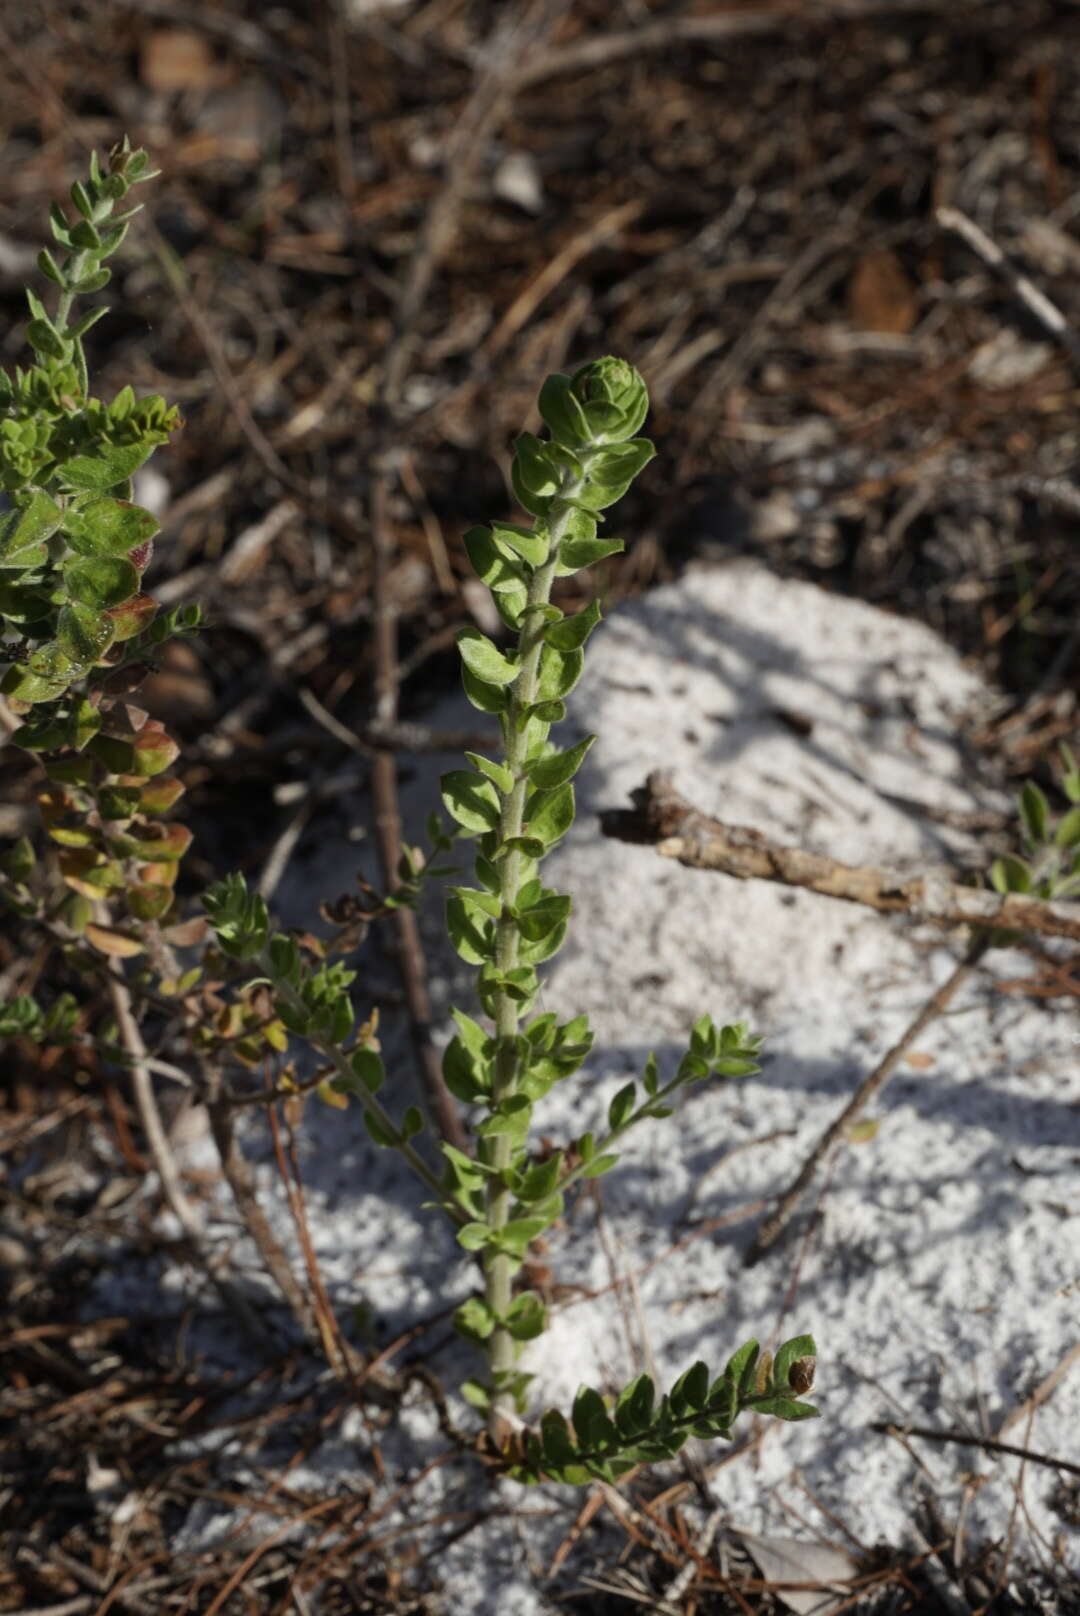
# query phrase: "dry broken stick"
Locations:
[[664, 819]]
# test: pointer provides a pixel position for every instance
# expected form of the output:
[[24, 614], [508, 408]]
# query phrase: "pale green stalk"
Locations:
[[498, 1266]]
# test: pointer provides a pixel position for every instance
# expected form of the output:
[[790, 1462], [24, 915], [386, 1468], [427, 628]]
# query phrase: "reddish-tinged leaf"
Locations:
[[155, 749], [133, 616], [187, 933], [159, 797], [159, 875]]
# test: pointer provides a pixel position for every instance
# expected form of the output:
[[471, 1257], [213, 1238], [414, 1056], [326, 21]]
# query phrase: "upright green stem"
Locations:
[[523, 693]]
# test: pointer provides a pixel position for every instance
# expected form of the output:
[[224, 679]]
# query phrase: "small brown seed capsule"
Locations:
[[801, 1375]]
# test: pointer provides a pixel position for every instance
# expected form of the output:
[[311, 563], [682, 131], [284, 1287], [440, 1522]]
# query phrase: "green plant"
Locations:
[[78, 631], [76, 622], [1050, 866]]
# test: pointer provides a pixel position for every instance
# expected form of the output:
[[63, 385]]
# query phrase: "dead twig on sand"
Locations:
[[871, 1085], [968, 1440], [664, 819]]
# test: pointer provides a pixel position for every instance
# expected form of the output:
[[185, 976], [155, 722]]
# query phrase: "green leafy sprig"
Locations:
[[1050, 865], [73, 547]]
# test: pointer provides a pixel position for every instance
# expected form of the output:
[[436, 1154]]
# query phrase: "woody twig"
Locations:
[[661, 817]]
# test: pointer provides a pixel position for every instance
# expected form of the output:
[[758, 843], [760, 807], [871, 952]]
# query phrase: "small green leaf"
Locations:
[[591, 1422], [527, 1317], [1010, 874], [540, 1180], [380, 1135], [1068, 830], [558, 1444], [634, 1406], [473, 938], [83, 633], [476, 1394], [483, 660], [474, 1236], [471, 800], [1035, 812], [540, 918], [512, 1118], [113, 463], [536, 471], [368, 1068], [559, 673], [562, 411], [28, 525], [489, 698], [572, 632], [785, 1408], [474, 1319], [44, 339], [480, 904], [599, 1166], [102, 582], [741, 1368], [577, 553], [559, 767], [412, 1122], [621, 1107], [549, 814], [526, 542], [800, 1346], [503, 573], [497, 773], [108, 527]]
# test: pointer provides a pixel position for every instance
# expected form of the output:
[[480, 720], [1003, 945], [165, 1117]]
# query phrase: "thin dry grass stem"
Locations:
[[339, 1355], [241, 1181], [146, 1104]]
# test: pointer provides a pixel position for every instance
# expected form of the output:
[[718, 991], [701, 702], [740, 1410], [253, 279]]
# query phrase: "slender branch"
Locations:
[[146, 1104], [240, 1179], [664, 819], [613, 1135], [158, 1143], [773, 1227], [340, 1062], [967, 1440], [517, 33]]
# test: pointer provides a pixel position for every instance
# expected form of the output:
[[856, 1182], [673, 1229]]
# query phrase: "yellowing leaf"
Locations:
[[117, 944]]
